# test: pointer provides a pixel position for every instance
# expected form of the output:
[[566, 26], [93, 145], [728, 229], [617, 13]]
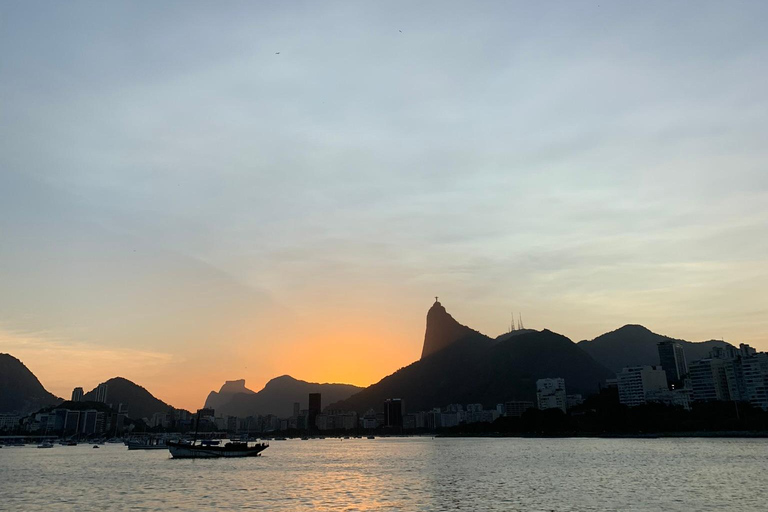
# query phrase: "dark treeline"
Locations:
[[603, 415]]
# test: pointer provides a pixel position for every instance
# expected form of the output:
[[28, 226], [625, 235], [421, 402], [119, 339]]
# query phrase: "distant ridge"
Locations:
[[141, 403], [20, 391], [635, 345], [277, 397], [478, 369], [218, 400]]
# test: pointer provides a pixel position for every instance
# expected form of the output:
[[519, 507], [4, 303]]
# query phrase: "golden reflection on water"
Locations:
[[398, 474]]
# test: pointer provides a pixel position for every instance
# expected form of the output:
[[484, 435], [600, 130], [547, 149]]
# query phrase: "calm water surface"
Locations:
[[399, 474]]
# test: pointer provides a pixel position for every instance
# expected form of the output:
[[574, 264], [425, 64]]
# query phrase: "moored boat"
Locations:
[[181, 450], [146, 443]]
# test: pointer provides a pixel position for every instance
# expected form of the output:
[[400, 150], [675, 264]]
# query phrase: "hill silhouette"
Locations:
[[20, 391], [478, 369], [276, 398], [443, 330], [635, 345], [141, 403], [218, 400]]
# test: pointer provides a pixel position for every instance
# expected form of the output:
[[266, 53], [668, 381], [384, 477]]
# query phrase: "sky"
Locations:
[[194, 192]]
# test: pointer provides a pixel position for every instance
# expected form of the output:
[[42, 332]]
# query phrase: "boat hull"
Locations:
[[182, 451]]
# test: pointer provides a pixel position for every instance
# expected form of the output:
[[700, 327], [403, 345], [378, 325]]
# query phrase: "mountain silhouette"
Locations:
[[217, 400], [634, 345], [478, 369], [20, 391], [442, 330], [141, 403], [277, 397]]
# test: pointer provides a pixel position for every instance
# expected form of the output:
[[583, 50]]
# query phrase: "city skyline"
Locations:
[[191, 194]]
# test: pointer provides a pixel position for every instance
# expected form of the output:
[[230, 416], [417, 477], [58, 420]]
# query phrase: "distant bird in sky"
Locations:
[[400, 31], [277, 53]]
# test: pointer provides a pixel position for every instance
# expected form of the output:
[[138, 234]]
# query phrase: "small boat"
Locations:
[[146, 444], [371, 437], [95, 446], [181, 450], [45, 444]]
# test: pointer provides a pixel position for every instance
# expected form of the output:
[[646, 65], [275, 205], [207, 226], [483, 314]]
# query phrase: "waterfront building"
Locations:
[[434, 419], [550, 394], [476, 414], [516, 408], [337, 420], [672, 360], [77, 394], [715, 378], [754, 374], [296, 409], [92, 422], [101, 393], [315, 407], [415, 420], [449, 419], [9, 421], [394, 408], [637, 383], [573, 400], [369, 420], [160, 419]]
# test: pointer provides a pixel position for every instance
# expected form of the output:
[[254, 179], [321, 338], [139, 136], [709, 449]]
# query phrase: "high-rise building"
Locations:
[[101, 393], [715, 378], [550, 394], [672, 360], [516, 408], [315, 406], [394, 409], [296, 409], [754, 373], [77, 395], [639, 383]]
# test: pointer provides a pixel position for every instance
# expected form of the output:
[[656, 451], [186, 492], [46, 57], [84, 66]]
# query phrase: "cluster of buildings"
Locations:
[[71, 418], [728, 374], [74, 420]]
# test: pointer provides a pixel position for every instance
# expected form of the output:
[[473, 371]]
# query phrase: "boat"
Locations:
[[182, 450], [45, 444], [371, 437], [146, 444], [95, 446]]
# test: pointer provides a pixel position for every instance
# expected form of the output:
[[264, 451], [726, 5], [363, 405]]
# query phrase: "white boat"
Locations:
[[45, 444], [146, 444]]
